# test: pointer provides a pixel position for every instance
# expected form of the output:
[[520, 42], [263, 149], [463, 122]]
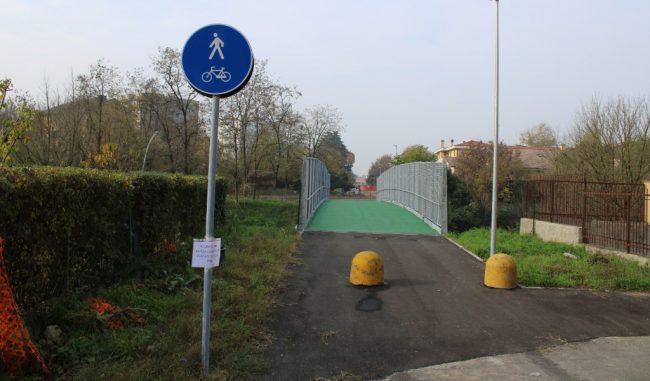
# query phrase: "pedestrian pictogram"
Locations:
[[216, 46]]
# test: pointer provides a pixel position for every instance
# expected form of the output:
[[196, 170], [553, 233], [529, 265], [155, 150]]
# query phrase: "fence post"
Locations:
[[628, 223], [525, 199], [552, 200]]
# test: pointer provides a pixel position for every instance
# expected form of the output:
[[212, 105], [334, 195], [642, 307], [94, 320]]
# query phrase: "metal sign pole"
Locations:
[[214, 75], [209, 235]]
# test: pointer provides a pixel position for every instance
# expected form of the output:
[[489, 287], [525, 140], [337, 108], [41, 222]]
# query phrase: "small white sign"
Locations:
[[206, 253]]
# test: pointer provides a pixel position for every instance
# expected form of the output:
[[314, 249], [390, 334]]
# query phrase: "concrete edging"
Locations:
[[464, 249], [606, 358], [642, 261]]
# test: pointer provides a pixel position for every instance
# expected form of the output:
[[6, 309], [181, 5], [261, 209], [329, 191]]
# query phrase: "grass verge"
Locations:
[[544, 264], [167, 346]]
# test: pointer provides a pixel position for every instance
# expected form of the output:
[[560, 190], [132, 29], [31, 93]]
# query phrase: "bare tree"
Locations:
[[186, 109], [611, 141], [281, 118], [155, 118], [318, 122], [47, 123], [44, 144], [68, 119], [97, 87], [244, 117]]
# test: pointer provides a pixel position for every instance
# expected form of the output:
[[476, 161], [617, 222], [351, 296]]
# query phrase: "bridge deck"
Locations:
[[366, 216]]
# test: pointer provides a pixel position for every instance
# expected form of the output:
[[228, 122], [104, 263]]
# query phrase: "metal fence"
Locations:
[[419, 187], [612, 215], [314, 189]]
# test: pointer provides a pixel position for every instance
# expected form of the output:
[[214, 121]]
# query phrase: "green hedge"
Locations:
[[70, 228]]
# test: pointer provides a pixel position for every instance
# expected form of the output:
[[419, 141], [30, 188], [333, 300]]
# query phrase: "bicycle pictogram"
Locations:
[[221, 74]]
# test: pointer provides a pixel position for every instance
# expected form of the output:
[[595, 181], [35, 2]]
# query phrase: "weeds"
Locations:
[[260, 239], [542, 263]]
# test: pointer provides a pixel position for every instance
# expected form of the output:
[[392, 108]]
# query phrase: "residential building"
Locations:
[[449, 154], [534, 159]]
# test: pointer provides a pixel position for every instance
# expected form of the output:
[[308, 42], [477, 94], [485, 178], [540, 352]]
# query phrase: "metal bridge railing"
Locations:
[[315, 189], [420, 188]]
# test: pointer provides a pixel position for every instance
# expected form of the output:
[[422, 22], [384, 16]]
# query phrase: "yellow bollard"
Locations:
[[500, 272], [367, 269]]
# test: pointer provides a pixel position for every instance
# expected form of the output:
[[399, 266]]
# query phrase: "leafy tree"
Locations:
[[16, 118], [611, 142], [377, 168], [474, 168], [540, 135], [463, 212], [414, 153], [334, 153]]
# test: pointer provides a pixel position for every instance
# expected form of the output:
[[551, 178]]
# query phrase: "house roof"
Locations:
[[534, 158], [463, 145]]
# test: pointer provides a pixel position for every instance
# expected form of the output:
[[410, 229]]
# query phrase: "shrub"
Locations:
[[463, 212], [70, 228]]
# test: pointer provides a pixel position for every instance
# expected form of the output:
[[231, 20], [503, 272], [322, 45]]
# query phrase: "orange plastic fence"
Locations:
[[18, 354]]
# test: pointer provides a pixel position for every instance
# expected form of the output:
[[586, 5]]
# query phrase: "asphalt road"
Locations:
[[434, 310]]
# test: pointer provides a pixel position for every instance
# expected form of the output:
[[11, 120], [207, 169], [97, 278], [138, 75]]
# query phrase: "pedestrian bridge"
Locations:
[[411, 199]]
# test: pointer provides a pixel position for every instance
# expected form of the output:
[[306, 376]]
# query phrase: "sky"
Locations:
[[399, 72]]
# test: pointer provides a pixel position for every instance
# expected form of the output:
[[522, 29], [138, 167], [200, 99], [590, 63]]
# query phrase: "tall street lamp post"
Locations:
[[493, 225]]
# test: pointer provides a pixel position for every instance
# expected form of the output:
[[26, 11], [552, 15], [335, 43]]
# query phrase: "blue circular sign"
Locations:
[[217, 60]]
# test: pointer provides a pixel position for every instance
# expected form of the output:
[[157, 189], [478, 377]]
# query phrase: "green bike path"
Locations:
[[364, 216]]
